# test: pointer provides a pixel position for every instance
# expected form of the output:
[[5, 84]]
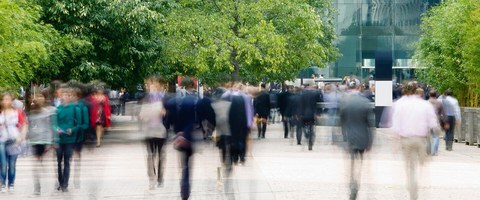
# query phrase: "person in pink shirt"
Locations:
[[412, 119]]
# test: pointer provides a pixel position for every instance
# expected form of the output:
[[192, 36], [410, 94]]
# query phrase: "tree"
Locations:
[[249, 39], [448, 49], [28, 48], [124, 36]]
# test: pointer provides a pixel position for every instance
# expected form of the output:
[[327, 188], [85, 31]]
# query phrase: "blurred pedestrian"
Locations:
[[413, 118], [124, 98], [13, 132], [439, 111], [262, 106], [309, 100], [42, 123], [183, 110], [283, 105], [152, 112], [84, 124], [68, 118], [294, 112], [452, 111], [100, 115], [332, 98], [355, 113]]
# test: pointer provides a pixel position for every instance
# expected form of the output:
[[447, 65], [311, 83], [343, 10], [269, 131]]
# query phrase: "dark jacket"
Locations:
[[283, 102], [238, 119], [261, 104], [293, 106], [309, 100], [355, 113], [182, 114]]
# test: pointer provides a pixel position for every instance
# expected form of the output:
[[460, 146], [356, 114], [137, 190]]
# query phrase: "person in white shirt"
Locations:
[[413, 118], [452, 111]]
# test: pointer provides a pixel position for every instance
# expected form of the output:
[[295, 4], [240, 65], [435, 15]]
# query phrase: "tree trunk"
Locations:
[[234, 53], [236, 67]]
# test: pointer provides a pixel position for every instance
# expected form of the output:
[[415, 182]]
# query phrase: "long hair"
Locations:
[[3, 95]]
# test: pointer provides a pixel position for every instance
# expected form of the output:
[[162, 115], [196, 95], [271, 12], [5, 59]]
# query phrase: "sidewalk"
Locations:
[[276, 168]]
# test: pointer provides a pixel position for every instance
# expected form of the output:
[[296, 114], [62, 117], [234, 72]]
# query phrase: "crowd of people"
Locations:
[[60, 118], [65, 115]]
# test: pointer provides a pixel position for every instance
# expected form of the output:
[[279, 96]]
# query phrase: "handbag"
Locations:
[[15, 148], [181, 143], [12, 147]]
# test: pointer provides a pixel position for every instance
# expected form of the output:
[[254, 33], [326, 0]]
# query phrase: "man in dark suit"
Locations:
[[182, 115], [283, 104], [354, 117], [309, 99], [262, 110], [293, 113]]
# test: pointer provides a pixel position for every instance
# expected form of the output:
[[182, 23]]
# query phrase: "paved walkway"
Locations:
[[276, 168]]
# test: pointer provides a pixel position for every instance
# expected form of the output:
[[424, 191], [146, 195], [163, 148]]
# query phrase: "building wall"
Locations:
[[366, 26]]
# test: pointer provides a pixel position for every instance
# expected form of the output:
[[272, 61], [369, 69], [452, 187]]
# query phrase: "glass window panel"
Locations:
[[348, 19], [377, 19]]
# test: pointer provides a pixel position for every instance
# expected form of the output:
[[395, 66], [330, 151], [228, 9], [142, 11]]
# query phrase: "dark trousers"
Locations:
[[64, 154], [297, 126], [262, 128], [155, 153], [238, 150], [309, 130], [450, 132], [185, 182], [286, 127]]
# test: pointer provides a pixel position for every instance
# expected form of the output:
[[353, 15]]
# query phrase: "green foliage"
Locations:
[[123, 36], [24, 44], [448, 48], [252, 40]]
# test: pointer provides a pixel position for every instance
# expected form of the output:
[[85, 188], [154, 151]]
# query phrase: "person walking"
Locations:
[[283, 105], [42, 120], [262, 110], [182, 109], [68, 122], [84, 123], [309, 100], [438, 106], [13, 131], [294, 113], [452, 111], [153, 112], [354, 118], [332, 98], [100, 114], [412, 120]]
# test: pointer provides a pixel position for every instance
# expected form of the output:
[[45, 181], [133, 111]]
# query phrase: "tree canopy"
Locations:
[[122, 41], [29, 49], [250, 40], [448, 49]]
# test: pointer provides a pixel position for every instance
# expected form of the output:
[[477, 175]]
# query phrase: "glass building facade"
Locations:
[[366, 26]]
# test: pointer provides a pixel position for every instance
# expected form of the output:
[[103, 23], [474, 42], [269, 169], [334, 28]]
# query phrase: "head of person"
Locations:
[[77, 93], [38, 102], [7, 101], [56, 87], [352, 85], [420, 92], [263, 86], [433, 94], [410, 88], [66, 94], [448, 92], [154, 83], [188, 84]]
